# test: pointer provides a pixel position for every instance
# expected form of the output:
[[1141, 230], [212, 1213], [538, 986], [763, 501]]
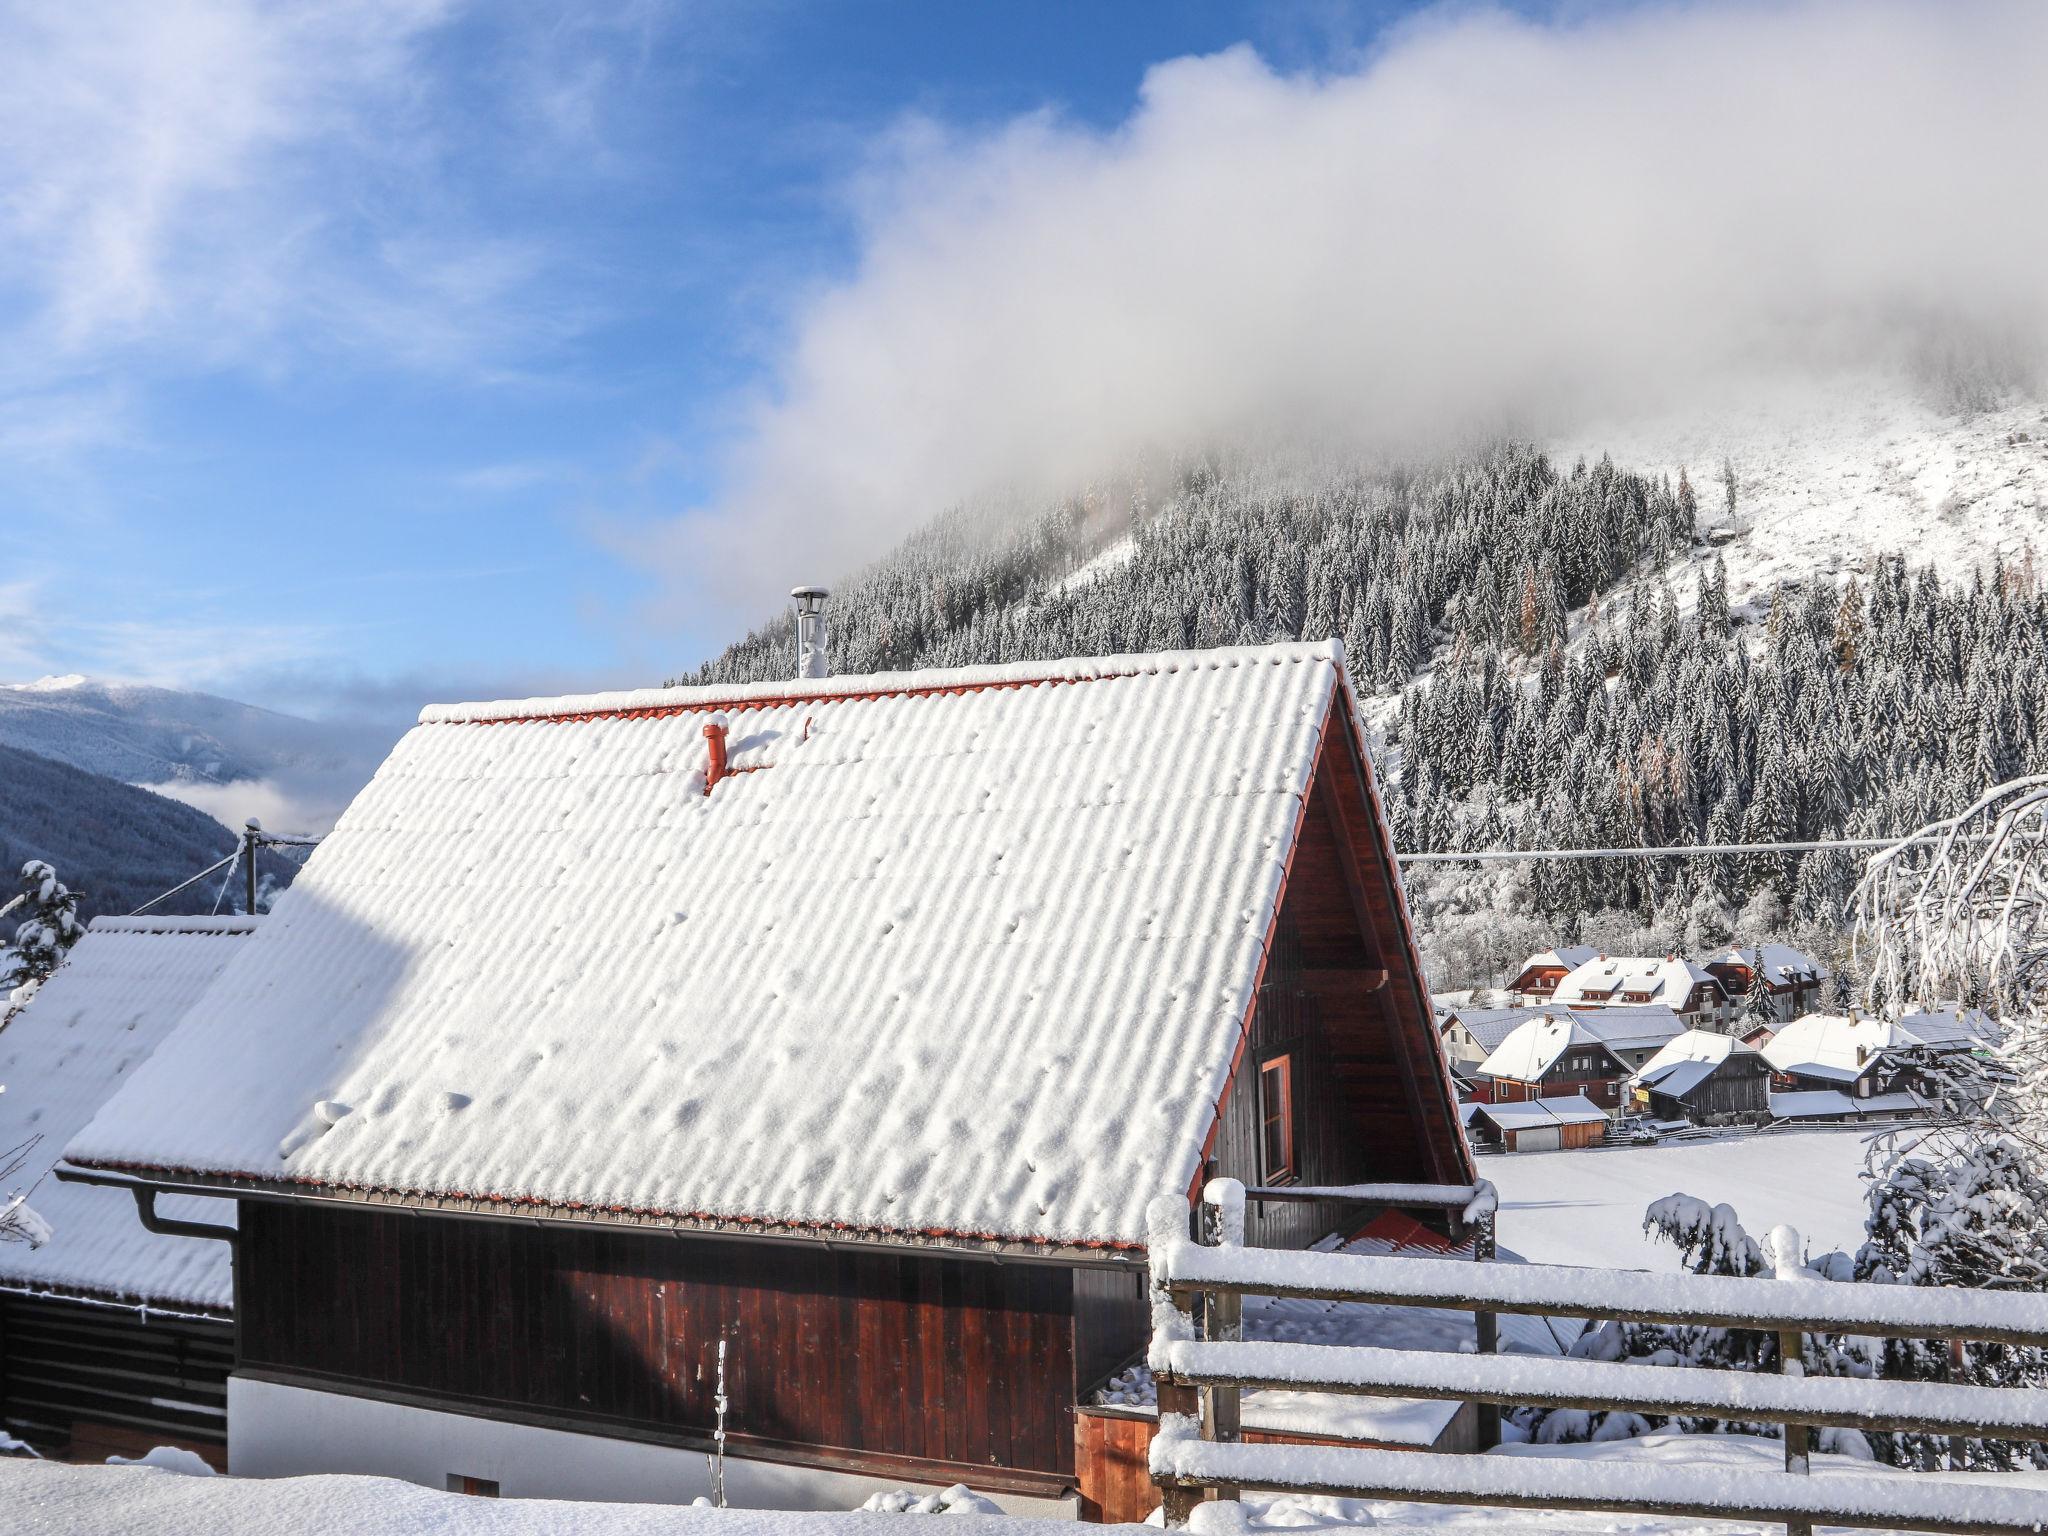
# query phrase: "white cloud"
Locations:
[[1487, 215]]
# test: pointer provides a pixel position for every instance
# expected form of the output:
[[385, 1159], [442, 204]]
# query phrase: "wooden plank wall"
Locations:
[[963, 1362], [84, 1381]]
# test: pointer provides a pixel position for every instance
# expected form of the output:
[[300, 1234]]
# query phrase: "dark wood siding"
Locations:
[[965, 1362], [1112, 1322], [85, 1381]]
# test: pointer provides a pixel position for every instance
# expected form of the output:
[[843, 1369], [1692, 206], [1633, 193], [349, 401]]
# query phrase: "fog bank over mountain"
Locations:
[[1488, 223]]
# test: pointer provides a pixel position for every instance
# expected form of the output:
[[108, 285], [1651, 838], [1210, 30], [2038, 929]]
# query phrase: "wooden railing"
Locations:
[[1197, 1449]]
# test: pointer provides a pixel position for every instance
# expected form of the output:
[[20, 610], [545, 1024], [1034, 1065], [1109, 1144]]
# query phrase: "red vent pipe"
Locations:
[[714, 753]]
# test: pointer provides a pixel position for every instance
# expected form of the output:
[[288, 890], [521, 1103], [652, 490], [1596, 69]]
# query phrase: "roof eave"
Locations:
[[995, 1247]]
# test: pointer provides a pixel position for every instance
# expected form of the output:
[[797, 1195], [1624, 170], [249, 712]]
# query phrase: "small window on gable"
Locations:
[[480, 1487], [1276, 1120]]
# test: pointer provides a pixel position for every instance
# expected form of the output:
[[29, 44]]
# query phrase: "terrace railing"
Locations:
[[1197, 1450]]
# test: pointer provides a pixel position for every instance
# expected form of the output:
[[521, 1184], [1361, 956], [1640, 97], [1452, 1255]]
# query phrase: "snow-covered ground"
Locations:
[[1828, 479], [1587, 1207], [48, 1499]]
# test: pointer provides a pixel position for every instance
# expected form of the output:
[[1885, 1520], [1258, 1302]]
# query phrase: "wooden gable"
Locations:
[[1342, 992]]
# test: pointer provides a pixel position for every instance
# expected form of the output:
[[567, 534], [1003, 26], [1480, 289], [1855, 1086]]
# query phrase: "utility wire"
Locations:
[[167, 895], [1675, 851]]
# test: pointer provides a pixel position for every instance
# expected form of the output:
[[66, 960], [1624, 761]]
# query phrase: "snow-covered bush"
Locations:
[[956, 1500]]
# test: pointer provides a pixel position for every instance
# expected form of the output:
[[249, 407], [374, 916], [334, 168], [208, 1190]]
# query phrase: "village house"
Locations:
[[1704, 1078], [1613, 981], [816, 1045], [113, 1338], [1828, 1066], [1551, 1056], [1536, 983], [1793, 980], [1634, 1035], [1562, 1123]]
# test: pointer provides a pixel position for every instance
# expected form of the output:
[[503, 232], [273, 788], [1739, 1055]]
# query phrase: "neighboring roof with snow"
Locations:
[[1677, 1078], [1568, 956], [1945, 1027], [1533, 1047], [1702, 1045], [1829, 1045], [1623, 1028], [1781, 964], [1662, 979], [1565, 1109], [84, 1033], [954, 953]]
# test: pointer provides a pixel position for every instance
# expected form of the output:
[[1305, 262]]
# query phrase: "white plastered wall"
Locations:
[[275, 1430]]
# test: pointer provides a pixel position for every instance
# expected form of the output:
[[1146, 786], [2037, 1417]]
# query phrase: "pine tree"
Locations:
[[49, 930]]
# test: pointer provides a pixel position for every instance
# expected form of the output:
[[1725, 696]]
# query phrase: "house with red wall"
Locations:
[[813, 1045]]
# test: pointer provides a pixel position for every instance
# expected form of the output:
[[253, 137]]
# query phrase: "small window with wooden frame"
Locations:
[[1276, 1121], [476, 1487]]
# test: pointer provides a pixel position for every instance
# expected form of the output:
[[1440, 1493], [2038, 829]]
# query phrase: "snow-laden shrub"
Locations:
[[956, 1500]]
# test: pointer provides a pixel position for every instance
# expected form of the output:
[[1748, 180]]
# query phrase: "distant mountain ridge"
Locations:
[[146, 735], [116, 845]]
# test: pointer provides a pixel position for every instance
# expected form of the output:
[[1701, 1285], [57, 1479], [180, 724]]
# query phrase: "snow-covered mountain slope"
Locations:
[[1826, 482], [229, 759]]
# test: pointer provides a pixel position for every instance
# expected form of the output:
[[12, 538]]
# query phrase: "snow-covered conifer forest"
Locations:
[[1552, 655]]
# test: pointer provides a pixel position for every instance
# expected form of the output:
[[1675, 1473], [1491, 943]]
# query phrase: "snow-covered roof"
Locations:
[[1662, 979], [960, 953], [84, 1033], [1829, 1045], [1568, 956], [1533, 1046], [1707, 1045], [1630, 1027], [1677, 1078], [1781, 964], [1944, 1027], [1565, 1109]]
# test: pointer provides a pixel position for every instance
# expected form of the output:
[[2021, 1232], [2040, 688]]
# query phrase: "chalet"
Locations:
[[1550, 1056], [1863, 1057], [1611, 981], [1536, 983], [1540, 1125], [1473, 1034], [1792, 979], [835, 1031], [1704, 1077], [113, 1338]]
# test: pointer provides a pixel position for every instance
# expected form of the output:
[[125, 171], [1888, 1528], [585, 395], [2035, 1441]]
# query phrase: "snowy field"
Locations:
[[1587, 1207], [46, 1499]]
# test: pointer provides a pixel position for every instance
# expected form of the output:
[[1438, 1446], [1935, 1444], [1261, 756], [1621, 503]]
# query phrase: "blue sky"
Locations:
[[352, 357]]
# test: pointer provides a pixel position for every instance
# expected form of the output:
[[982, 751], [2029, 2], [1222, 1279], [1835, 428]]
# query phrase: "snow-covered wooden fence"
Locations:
[[1200, 1378]]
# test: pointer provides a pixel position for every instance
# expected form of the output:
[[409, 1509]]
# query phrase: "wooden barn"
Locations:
[[1562, 1123], [113, 1338], [840, 1027], [1706, 1078]]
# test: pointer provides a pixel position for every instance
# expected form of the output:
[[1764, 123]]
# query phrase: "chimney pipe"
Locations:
[[714, 753], [810, 631]]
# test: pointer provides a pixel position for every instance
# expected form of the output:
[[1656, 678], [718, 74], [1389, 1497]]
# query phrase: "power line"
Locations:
[[1674, 851]]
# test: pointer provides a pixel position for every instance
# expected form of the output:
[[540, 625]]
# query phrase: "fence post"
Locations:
[[1487, 1328], [1223, 1319], [1177, 1500], [1783, 1248]]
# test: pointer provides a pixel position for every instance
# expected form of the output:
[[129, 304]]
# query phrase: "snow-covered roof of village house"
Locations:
[[1564, 1109], [1662, 979], [1828, 1103], [1624, 1028], [1951, 1026], [1781, 964], [1533, 1046], [1708, 1045], [1829, 1045], [961, 953], [1569, 956], [84, 1033]]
